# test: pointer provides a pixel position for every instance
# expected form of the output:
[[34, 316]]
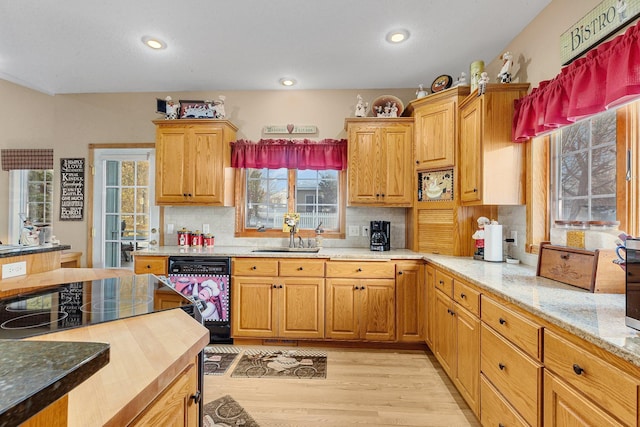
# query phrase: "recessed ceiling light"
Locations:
[[287, 81], [397, 36], [154, 43]]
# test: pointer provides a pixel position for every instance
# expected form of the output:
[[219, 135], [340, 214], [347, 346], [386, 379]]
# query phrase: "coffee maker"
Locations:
[[380, 239]]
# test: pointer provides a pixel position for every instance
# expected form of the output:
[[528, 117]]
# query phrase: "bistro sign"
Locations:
[[602, 21]]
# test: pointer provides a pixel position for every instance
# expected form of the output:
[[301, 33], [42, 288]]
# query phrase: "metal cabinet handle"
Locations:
[[577, 369], [253, 267], [463, 296], [501, 366], [502, 321], [359, 269], [196, 397], [399, 273], [300, 268]]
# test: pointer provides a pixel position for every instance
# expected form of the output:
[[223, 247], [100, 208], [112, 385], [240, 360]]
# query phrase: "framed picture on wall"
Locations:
[[435, 185]]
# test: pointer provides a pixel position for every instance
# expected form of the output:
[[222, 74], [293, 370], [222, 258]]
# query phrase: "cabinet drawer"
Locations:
[[362, 269], [605, 384], [466, 296], [516, 376], [516, 328], [495, 410], [302, 267], [444, 282], [150, 264], [255, 267]]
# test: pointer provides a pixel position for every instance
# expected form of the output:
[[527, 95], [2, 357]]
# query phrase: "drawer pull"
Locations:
[[564, 256], [148, 267], [399, 273], [442, 282], [274, 286], [577, 369], [300, 268], [253, 267], [502, 321], [463, 296], [359, 269], [501, 366], [280, 287]]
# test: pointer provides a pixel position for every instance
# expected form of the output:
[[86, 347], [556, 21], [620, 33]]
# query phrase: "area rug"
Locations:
[[218, 359], [302, 364], [226, 412]]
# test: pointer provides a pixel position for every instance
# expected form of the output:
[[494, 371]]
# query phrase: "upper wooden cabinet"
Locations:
[[193, 162], [380, 152], [491, 165], [436, 128]]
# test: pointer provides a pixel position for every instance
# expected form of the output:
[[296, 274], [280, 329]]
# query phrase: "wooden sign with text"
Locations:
[[71, 189]]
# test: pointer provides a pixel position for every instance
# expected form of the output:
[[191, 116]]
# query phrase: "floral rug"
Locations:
[[226, 412], [218, 359], [301, 364]]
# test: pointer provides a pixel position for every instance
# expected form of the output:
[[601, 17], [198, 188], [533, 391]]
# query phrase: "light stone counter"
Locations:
[[597, 318]]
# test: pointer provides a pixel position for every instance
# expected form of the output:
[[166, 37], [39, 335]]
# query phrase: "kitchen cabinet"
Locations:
[[380, 152], [193, 162], [457, 335], [176, 406], [430, 305], [360, 300], [410, 296], [581, 387], [274, 298], [491, 165], [150, 264], [436, 127]]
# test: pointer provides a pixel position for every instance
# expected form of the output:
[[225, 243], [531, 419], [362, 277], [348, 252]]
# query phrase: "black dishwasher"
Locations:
[[206, 280]]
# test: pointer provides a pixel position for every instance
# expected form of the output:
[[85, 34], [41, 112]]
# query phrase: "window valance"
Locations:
[[40, 159], [290, 154], [605, 77]]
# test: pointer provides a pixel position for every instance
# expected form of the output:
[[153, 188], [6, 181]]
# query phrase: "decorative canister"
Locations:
[[476, 68], [184, 237], [207, 240], [196, 239]]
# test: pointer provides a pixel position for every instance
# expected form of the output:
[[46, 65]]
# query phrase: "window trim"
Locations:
[[538, 175], [240, 202]]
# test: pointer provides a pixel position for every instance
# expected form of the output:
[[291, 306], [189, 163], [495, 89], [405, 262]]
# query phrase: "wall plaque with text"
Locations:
[[71, 189]]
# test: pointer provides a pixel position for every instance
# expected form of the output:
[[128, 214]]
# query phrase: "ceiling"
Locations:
[[89, 46]]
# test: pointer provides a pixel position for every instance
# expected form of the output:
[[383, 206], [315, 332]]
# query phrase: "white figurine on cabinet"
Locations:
[[482, 83], [462, 80], [505, 72], [361, 107], [421, 93], [220, 113]]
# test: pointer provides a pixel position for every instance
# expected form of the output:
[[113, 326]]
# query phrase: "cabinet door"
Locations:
[[343, 301], [364, 161], [172, 153], [206, 172], [301, 307], [470, 151], [565, 407], [429, 315], [444, 341], [410, 292], [467, 372], [396, 151], [435, 136], [378, 308], [253, 307]]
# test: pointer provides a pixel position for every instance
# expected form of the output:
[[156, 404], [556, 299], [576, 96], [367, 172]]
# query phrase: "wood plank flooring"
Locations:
[[363, 387]]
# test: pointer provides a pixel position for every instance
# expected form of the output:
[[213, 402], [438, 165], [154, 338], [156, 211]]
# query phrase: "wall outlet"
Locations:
[[354, 231], [514, 236], [365, 230], [14, 269], [206, 229]]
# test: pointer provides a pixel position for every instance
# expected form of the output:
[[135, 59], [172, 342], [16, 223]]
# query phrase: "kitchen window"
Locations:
[[267, 194], [31, 198]]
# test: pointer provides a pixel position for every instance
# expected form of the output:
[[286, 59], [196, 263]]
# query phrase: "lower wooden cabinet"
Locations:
[[495, 410], [430, 305], [410, 301], [176, 406], [143, 264]]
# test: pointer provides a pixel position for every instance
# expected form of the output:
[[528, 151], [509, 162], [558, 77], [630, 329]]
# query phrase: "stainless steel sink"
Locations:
[[281, 249]]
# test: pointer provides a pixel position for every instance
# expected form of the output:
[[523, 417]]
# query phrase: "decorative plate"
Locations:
[[387, 106], [435, 185], [441, 83]]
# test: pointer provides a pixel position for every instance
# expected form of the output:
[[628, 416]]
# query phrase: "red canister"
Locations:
[[184, 237], [207, 240], [196, 239]]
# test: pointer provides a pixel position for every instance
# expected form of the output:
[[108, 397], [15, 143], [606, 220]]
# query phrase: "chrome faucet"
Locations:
[[292, 232]]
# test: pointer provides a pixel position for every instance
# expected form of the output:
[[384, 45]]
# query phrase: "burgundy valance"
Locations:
[[290, 154], [605, 77]]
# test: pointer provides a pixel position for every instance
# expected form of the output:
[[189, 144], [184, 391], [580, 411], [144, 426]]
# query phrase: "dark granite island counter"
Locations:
[[35, 375]]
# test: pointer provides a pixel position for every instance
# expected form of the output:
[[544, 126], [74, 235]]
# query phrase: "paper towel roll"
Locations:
[[493, 242]]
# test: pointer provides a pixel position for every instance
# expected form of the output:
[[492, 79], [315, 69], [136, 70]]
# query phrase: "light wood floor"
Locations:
[[363, 387]]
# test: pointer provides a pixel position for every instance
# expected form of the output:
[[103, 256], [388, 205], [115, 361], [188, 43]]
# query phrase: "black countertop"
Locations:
[[7, 251], [34, 374]]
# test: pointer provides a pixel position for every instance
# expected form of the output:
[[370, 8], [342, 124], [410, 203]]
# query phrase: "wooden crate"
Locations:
[[590, 270]]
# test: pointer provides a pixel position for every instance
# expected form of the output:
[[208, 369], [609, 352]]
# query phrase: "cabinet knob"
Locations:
[[362, 288], [417, 162], [399, 273], [475, 190], [501, 366], [300, 268], [190, 194], [382, 194], [196, 397], [280, 287], [441, 282], [274, 286], [564, 256], [253, 267], [377, 194], [184, 194], [148, 267], [463, 296], [359, 269], [502, 321], [577, 369]]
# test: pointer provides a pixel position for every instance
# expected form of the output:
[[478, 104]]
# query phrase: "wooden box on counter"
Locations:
[[590, 270]]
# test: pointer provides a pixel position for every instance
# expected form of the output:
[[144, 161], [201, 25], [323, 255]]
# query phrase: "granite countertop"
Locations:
[[33, 375], [597, 318], [247, 251], [16, 250]]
